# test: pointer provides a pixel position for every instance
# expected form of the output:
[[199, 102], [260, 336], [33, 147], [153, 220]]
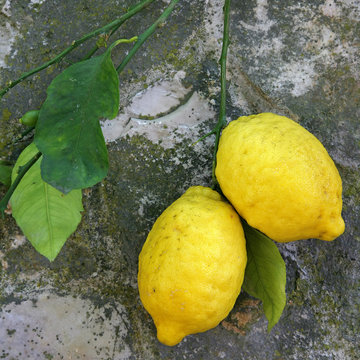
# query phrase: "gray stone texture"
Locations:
[[298, 58]]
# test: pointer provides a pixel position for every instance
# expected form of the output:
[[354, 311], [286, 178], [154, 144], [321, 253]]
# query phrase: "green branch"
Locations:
[[113, 25], [20, 137], [144, 36], [22, 171], [222, 113], [97, 47]]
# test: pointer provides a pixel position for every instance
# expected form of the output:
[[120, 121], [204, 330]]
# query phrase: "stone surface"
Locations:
[[300, 59]]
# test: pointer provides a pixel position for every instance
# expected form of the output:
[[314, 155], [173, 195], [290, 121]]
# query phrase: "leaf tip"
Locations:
[[270, 327], [50, 258]]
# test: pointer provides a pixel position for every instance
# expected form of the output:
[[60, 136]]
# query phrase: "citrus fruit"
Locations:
[[279, 178], [30, 118], [192, 265]]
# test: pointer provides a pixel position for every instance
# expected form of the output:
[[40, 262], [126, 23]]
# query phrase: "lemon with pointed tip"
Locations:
[[280, 179], [192, 265]]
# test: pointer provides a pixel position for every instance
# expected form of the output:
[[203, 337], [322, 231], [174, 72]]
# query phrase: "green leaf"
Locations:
[[5, 173], [68, 131], [265, 274], [46, 216]]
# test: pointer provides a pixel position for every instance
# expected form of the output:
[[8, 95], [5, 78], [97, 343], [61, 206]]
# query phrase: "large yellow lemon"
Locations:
[[192, 265], [280, 178]]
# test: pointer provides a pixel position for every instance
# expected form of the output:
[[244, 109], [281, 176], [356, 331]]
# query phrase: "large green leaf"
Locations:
[[5, 173], [68, 131], [46, 216], [265, 274]]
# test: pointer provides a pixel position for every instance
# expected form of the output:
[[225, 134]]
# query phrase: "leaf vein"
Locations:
[[48, 218]]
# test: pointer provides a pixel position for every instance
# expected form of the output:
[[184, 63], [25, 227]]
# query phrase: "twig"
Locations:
[[76, 43], [96, 47], [22, 171], [143, 37], [222, 112], [21, 136]]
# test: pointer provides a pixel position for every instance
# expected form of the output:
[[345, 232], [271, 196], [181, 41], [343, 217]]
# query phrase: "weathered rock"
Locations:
[[301, 60]]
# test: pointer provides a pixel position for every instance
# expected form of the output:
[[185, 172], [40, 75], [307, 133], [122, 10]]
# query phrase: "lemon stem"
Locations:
[[222, 112]]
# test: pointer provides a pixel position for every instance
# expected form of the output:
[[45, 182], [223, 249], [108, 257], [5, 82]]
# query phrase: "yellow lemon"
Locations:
[[192, 265], [280, 178]]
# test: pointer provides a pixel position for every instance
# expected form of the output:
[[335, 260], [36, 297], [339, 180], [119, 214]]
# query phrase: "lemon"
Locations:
[[30, 118], [280, 178], [192, 265]]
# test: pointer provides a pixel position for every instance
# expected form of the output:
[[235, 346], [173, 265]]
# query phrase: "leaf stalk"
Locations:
[[122, 41]]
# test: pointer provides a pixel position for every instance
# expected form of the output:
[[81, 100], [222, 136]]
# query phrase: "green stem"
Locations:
[[24, 133], [222, 113], [122, 41], [96, 47], [144, 36], [22, 171], [76, 43], [212, 132], [21, 136]]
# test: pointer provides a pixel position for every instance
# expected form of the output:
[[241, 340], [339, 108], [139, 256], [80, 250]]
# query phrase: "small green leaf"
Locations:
[[46, 216], [68, 131], [5, 174], [265, 274]]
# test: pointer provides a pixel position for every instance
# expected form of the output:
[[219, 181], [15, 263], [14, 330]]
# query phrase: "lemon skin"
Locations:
[[192, 265], [280, 178]]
